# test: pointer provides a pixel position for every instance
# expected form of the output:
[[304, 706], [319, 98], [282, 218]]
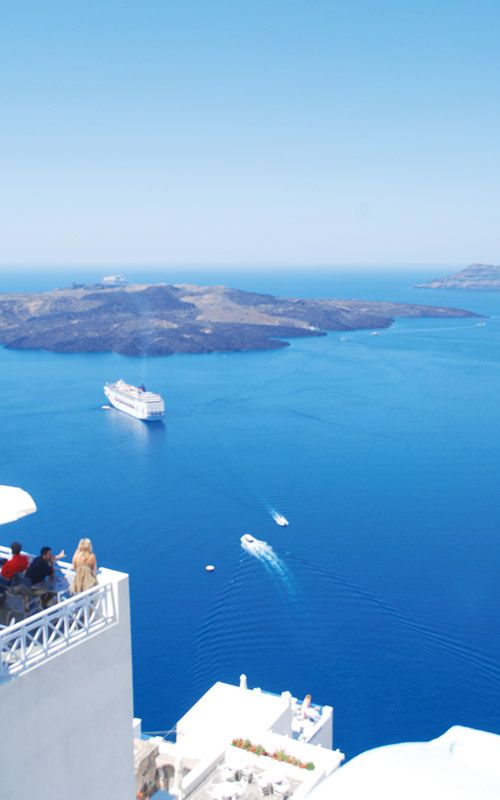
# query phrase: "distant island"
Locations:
[[475, 276], [163, 319]]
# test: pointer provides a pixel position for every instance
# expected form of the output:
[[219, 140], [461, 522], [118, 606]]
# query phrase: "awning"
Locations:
[[14, 504]]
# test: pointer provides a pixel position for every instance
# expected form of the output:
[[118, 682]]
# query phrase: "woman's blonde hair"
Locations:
[[85, 545]]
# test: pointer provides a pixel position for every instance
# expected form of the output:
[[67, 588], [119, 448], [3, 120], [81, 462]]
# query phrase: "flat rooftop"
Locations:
[[224, 711]]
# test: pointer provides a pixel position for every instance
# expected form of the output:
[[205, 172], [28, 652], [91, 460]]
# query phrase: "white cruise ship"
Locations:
[[135, 400]]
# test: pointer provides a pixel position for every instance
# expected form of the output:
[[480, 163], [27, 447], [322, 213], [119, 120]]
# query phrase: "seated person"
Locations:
[[42, 566], [14, 566]]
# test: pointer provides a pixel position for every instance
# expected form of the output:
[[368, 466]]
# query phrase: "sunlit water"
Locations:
[[380, 597]]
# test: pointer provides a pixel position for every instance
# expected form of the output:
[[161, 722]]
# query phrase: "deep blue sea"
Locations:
[[380, 598]]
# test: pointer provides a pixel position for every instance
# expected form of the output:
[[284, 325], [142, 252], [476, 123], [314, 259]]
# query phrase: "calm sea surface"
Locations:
[[382, 595]]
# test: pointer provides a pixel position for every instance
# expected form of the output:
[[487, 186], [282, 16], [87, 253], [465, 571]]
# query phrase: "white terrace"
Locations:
[[203, 762], [240, 774], [39, 636], [65, 674]]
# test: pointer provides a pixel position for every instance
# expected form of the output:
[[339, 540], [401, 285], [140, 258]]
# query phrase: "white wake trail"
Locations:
[[265, 554], [278, 518]]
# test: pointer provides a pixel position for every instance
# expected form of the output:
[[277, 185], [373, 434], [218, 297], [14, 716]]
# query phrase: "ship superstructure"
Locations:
[[135, 400]]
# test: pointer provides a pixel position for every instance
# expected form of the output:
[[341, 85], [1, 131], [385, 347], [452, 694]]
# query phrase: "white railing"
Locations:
[[37, 638]]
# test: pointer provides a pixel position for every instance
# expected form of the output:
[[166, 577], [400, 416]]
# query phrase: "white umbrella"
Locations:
[[14, 504]]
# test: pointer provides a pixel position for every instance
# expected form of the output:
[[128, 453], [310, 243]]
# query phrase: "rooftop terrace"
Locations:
[[273, 764], [29, 634], [210, 761]]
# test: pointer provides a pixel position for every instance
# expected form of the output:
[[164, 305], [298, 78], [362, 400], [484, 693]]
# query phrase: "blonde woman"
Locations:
[[85, 566]]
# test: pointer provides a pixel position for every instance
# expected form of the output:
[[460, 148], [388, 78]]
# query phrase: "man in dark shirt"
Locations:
[[42, 566]]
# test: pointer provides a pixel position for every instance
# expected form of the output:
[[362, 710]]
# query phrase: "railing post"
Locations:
[[108, 603], [66, 625], [86, 616], [45, 635], [23, 646], [4, 669]]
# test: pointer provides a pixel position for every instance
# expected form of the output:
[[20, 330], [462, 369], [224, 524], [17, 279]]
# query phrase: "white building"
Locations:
[[66, 698], [227, 711], [237, 742], [66, 703], [114, 280], [462, 764]]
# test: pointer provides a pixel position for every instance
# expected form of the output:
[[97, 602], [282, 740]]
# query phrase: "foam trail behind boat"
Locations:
[[278, 518], [266, 555]]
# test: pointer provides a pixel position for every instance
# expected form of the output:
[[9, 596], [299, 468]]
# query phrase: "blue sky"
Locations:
[[243, 132]]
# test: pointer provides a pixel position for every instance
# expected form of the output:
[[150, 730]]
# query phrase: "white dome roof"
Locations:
[[463, 764]]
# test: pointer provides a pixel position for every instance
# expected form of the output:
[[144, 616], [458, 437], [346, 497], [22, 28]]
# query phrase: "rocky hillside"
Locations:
[[475, 276], [162, 319]]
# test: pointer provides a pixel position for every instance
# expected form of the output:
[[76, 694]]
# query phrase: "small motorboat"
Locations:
[[374, 333], [247, 538], [280, 520]]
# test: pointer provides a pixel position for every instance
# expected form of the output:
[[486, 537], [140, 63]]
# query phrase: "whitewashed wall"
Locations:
[[67, 723]]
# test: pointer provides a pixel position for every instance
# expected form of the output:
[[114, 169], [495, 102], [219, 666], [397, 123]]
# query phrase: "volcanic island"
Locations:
[[162, 319], [475, 276]]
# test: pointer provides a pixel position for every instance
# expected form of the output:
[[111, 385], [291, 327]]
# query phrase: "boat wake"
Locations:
[[264, 553], [438, 329], [278, 518], [477, 662]]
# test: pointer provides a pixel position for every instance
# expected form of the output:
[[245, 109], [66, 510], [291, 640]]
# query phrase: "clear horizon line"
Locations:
[[232, 266]]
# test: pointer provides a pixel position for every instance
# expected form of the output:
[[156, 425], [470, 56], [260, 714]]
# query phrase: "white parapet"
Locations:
[[66, 698], [38, 638]]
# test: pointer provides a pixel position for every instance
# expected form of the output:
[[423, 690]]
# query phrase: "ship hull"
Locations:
[[136, 410]]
